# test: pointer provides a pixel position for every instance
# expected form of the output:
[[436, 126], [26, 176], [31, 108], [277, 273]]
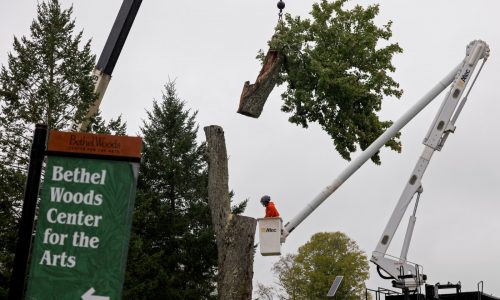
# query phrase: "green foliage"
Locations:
[[11, 193], [47, 79], [172, 252], [338, 72], [264, 292], [114, 126], [310, 273], [237, 208]]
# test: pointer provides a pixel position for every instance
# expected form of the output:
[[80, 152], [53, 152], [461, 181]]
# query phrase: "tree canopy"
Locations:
[[337, 69], [310, 273]]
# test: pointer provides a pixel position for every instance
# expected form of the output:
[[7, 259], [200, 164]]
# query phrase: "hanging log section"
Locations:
[[234, 234], [254, 96]]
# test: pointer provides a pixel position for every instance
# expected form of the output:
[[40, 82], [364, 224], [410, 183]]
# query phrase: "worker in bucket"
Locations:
[[271, 210]]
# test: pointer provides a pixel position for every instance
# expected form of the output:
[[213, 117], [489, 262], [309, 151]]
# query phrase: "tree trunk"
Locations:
[[254, 96], [234, 234]]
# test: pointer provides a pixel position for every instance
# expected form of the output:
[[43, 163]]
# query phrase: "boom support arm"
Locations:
[[406, 274], [356, 163]]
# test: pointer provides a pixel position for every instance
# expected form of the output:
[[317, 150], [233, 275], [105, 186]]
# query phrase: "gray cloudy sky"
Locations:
[[209, 48]]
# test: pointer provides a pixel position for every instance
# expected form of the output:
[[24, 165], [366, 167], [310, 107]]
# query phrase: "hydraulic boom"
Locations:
[[476, 50], [406, 275]]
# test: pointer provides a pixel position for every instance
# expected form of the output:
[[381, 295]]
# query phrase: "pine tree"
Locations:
[[47, 79], [172, 252]]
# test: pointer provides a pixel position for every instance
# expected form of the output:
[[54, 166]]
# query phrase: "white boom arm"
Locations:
[[102, 81], [407, 275], [355, 164]]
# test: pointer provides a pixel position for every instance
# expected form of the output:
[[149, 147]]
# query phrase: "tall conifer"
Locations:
[[172, 252]]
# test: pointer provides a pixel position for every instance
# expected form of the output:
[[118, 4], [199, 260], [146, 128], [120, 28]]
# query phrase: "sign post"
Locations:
[[83, 228], [18, 278]]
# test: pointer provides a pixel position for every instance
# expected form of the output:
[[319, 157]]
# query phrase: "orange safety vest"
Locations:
[[271, 211]]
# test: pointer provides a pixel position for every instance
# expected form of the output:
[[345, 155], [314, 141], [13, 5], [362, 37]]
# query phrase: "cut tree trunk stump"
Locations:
[[254, 96], [234, 234]]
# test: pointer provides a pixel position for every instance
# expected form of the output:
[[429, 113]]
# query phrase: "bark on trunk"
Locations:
[[234, 234], [254, 96]]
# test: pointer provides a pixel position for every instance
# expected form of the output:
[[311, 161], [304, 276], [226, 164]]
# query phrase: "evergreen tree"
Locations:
[[172, 251], [47, 79]]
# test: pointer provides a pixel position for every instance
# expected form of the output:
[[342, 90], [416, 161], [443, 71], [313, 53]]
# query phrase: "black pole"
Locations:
[[118, 36], [23, 247]]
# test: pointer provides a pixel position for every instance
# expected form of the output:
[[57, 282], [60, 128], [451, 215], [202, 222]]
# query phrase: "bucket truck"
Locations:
[[405, 275]]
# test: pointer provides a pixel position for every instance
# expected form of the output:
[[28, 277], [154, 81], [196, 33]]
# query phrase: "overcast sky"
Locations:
[[209, 48]]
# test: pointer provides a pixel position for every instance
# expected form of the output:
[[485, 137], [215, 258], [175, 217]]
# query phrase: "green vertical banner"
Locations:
[[83, 228]]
